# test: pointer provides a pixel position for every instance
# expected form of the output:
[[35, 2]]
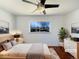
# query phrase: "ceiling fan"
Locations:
[[41, 6]]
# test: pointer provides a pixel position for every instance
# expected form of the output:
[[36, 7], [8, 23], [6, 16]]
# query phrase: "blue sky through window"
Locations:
[[40, 24]]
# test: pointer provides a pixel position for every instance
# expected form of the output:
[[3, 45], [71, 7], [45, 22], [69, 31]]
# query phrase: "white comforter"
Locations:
[[21, 50]]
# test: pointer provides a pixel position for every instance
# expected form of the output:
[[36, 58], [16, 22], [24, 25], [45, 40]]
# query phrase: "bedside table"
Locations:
[[18, 38]]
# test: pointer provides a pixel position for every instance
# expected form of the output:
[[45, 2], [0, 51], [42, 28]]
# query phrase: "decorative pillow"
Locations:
[[13, 42], [1, 48], [7, 45]]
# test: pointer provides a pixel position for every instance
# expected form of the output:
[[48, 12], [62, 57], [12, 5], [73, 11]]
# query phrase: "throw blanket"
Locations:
[[36, 52]]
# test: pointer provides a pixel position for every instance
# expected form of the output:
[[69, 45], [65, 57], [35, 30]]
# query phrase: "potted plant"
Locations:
[[62, 34]]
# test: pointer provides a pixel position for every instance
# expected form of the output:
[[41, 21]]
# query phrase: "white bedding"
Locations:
[[22, 49]]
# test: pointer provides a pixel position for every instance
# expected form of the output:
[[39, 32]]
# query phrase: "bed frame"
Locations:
[[6, 38]]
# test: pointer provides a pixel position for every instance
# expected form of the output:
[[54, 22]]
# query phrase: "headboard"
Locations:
[[4, 38]]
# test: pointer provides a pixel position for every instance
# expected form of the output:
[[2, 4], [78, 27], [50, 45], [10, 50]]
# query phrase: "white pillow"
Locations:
[[7, 45], [13, 42]]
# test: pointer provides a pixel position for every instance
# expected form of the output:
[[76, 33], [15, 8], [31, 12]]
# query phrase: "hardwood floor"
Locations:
[[62, 54]]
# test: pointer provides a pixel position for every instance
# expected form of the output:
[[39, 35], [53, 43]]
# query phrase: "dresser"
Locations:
[[72, 47]]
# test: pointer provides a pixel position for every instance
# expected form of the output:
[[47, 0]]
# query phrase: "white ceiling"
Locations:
[[19, 7]]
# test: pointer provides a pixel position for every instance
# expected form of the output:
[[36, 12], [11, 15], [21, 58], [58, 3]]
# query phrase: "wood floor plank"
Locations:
[[61, 52]]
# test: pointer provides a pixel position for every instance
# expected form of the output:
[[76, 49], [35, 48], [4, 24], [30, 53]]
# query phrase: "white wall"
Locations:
[[6, 16], [51, 38], [71, 19]]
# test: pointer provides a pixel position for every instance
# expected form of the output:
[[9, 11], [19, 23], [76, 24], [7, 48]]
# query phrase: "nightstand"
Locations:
[[18, 38]]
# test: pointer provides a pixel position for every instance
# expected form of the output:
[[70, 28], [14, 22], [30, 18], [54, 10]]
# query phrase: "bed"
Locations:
[[28, 51]]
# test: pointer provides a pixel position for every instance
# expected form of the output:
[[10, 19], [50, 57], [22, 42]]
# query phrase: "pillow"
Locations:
[[1, 48], [7, 45], [13, 42]]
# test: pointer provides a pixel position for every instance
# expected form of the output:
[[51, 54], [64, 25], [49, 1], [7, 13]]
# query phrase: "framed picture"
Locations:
[[75, 30], [39, 27], [4, 27]]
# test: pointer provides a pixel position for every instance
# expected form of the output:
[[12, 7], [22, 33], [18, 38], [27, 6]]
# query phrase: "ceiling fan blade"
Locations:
[[42, 2], [35, 10], [51, 5], [29, 2], [44, 12]]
